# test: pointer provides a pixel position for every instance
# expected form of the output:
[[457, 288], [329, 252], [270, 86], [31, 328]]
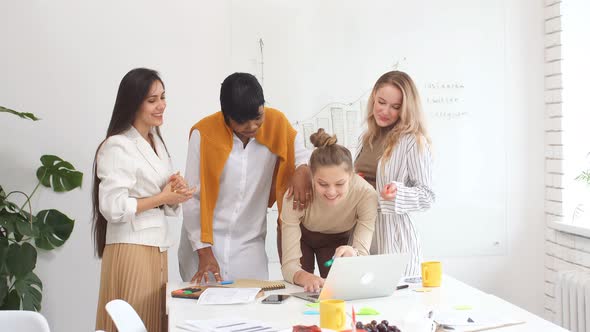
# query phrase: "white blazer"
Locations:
[[129, 169]]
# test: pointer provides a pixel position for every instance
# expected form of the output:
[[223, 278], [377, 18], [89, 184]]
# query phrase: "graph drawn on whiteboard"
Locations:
[[318, 61]]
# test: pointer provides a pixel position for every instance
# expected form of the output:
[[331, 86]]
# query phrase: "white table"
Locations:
[[401, 309]]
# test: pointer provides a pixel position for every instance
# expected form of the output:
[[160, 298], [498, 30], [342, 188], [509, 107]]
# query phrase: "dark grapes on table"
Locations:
[[373, 326]]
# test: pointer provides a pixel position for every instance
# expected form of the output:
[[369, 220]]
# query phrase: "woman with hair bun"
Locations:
[[343, 211]]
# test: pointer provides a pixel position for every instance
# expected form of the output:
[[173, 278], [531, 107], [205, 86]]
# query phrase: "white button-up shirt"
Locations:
[[239, 218]]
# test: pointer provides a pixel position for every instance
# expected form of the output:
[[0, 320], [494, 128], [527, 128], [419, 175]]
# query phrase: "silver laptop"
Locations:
[[361, 277]]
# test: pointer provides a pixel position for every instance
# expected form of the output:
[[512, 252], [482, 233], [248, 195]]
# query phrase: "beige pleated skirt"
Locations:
[[138, 275]]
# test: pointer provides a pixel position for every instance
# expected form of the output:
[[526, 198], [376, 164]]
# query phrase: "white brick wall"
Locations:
[[563, 251]]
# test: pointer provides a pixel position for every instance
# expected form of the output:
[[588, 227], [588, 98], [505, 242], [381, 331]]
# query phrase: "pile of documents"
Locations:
[[227, 325], [228, 296]]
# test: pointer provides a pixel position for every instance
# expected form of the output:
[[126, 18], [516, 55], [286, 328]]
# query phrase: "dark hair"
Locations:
[[133, 89], [327, 152], [241, 96]]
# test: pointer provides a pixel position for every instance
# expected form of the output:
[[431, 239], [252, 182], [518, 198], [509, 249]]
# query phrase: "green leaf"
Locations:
[[3, 287], [29, 290], [58, 174], [54, 229], [584, 177], [3, 251], [11, 302], [22, 115], [25, 227], [6, 204], [7, 221], [21, 259], [18, 223]]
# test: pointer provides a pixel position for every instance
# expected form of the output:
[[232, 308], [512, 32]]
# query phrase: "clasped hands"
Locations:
[[176, 190]]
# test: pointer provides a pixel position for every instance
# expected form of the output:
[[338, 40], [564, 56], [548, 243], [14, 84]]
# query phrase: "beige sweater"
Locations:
[[358, 208]]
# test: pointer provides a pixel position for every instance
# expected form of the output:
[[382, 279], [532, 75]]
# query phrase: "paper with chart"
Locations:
[[227, 325], [318, 61], [219, 295], [473, 320]]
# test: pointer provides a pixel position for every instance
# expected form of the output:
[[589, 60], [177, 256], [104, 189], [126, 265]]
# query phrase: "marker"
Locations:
[[225, 282], [329, 262], [402, 287]]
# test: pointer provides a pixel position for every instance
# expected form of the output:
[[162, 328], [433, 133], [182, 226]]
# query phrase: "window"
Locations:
[[575, 52]]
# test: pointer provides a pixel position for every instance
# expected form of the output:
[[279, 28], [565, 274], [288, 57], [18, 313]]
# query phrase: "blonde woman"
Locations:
[[395, 158]]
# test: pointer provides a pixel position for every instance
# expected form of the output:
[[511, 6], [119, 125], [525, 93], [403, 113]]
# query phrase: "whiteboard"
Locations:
[[318, 61]]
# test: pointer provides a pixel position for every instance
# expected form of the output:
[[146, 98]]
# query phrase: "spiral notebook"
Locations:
[[265, 285]]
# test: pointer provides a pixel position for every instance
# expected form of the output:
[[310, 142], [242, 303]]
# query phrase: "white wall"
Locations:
[[517, 276], [64, 60]]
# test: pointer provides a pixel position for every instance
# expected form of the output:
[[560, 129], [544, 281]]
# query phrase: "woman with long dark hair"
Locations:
[[134, 190]]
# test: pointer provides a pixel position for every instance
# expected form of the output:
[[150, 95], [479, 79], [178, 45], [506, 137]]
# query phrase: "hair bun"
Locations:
[[321, 139]]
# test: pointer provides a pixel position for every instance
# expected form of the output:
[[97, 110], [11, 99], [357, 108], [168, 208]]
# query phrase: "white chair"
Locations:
[[22, 321], [125, 317]]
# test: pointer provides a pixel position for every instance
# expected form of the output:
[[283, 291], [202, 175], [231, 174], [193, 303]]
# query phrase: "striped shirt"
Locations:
[[410, 168]]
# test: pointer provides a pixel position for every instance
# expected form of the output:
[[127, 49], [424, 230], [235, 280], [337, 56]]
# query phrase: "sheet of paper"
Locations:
[[471, 320], [228, 296], [227, 325]]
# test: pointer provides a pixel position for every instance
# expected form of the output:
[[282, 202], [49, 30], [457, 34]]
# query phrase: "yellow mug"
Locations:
[[332, 315], [431, 274]]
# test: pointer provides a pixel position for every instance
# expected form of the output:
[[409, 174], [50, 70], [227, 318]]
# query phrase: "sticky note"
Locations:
[[422, 290], [367, 311], [462, 307]]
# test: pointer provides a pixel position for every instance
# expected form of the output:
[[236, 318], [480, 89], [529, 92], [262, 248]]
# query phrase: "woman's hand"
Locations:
[[171, 197], [301, 188], [178, 183], [309, 282], [207, 263], [389, 191], [345, 251]]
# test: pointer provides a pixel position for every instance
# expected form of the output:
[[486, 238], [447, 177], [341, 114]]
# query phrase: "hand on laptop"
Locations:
[[309, 282], [345, 251], [207, 263]]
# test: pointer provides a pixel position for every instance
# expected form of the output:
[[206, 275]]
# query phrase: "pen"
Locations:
[[402, 287], [353, 320], [225, 282]]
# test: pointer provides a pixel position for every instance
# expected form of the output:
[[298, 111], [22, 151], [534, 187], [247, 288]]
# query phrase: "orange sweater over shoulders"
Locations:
[[276, 133]]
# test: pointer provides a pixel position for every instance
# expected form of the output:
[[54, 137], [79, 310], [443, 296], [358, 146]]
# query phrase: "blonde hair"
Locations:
[[410, 120], [327, 152]]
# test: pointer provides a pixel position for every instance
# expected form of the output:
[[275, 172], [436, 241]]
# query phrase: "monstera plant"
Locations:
[[22, 231]]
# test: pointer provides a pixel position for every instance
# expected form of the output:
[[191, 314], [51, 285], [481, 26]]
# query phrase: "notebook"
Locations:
[[265, 285], [195, 291], [192, 292]]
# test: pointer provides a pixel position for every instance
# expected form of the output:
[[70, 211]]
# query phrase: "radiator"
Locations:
[[572, 300]]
